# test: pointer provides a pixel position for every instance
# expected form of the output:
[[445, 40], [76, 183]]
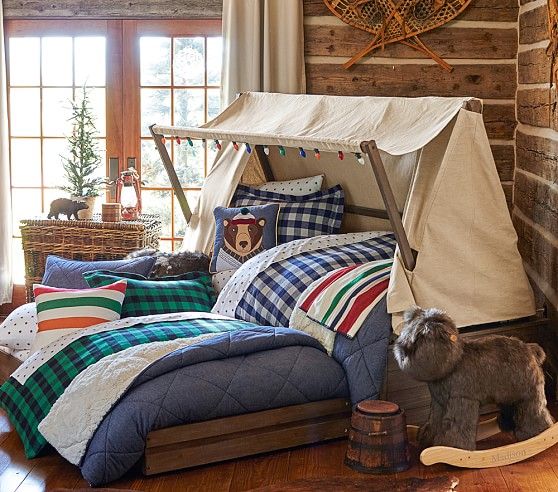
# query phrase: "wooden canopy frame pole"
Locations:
[[173, 177], [371, 150]]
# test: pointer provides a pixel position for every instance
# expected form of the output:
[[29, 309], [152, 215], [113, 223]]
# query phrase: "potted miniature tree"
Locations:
[[80, 168]]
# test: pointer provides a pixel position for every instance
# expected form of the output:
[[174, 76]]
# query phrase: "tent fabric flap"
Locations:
[[398, 125], [457, 219]]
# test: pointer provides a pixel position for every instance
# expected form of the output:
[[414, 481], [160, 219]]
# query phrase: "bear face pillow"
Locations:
[[242, 233]]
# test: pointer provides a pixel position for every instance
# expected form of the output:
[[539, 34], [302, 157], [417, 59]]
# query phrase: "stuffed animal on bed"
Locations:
[[172, 264], [463, 375]]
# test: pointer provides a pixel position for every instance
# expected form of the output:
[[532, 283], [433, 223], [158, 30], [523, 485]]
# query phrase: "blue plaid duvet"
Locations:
[[273, 294]]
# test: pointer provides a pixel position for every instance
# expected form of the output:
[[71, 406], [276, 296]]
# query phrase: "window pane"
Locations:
[[18, 263], [213, 103], [155, 108], [54, 149], [179, 221], [57, 61], [165, 246], [89, 61], [25, 110], [25, 61], [57, 111], [26, 204], [214, 57], [159, 203], [152, 169], [155, 61], [189, 61], [189, 163], [189, 107], [102, 171], [26, 161]]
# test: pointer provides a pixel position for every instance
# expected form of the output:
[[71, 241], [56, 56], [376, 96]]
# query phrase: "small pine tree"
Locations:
[[84, 160]]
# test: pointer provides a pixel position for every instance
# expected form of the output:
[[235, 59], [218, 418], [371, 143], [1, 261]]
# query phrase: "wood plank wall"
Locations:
[[535, 211], [481, 44]]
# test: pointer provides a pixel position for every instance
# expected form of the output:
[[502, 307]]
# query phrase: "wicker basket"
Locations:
[[82, 240]]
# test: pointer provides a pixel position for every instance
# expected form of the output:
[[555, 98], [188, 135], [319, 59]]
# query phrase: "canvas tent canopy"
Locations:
[[423, 163]]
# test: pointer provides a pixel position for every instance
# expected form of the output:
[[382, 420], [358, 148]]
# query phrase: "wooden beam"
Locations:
[[96, 9], [175, 182], [407, 255], [264, 162], [366, 211]]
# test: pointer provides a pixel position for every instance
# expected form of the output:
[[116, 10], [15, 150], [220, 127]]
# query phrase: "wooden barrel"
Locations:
[[378, 438]]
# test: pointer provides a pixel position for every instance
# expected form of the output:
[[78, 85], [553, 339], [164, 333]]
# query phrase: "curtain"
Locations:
[[5, 200], [263, 47]]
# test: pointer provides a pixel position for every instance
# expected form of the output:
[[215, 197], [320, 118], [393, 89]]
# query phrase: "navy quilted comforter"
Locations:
[[235, 373]]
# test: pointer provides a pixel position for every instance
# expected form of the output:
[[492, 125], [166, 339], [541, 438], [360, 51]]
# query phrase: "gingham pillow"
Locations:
[[188, 292], [302, 216]]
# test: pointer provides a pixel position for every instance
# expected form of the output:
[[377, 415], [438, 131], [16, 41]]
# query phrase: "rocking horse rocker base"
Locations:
[[487, 458]]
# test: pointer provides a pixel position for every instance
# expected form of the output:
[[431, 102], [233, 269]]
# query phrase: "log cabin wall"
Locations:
[[481, 44], [535, 211]]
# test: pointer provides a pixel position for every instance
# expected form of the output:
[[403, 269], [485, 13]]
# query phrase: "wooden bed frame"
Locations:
[[211, 441]]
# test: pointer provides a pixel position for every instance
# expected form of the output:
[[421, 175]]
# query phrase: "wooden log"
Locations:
[[168, 9], [533, 107], [478, 10], [500, 121], [533, 25], [538, 201], [504, 156], [533, 67], [344, 40], [537, 155], [537, 251], [483, 81]]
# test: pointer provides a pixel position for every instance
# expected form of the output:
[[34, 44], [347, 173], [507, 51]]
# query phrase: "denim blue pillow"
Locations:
[[68, 274], [242, 233]]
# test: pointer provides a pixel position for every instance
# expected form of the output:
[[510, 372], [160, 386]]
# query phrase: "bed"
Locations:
[[239, 381]]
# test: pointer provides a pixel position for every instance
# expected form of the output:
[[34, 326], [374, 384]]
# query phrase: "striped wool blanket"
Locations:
[[341, 301]]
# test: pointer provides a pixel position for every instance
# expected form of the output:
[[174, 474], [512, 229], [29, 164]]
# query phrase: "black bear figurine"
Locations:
[[66, 207]]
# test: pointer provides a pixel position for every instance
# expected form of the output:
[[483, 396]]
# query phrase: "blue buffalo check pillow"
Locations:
[[301, 216], [188, 292]]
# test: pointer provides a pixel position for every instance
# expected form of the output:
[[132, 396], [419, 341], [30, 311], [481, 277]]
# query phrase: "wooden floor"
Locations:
[[317, 462]]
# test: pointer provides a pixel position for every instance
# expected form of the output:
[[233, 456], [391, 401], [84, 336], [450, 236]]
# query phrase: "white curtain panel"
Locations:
[[5, 200], [263, 44]]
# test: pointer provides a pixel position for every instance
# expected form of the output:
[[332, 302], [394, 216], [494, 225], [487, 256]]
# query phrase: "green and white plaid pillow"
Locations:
[[189, 292]]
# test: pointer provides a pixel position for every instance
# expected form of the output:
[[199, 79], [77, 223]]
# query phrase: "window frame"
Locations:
[[122, 84], [132, 31]]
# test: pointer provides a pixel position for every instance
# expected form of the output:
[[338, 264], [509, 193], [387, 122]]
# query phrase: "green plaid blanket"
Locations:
[[28, 404]]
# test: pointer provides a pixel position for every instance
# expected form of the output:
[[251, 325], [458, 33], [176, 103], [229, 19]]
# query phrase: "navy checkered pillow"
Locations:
[[300, 217], [188, 292]]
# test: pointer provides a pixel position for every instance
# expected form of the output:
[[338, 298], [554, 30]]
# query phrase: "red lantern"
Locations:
[[128, 194]]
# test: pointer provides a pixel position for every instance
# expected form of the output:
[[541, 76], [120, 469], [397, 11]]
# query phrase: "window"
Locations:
[[179, 85], [137, 73]]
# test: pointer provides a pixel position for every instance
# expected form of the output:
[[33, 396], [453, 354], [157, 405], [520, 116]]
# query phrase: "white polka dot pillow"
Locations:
[[297, 187], [18, 330]]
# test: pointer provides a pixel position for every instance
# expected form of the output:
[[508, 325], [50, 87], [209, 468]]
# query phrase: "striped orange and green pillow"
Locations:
[[62, 311]]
